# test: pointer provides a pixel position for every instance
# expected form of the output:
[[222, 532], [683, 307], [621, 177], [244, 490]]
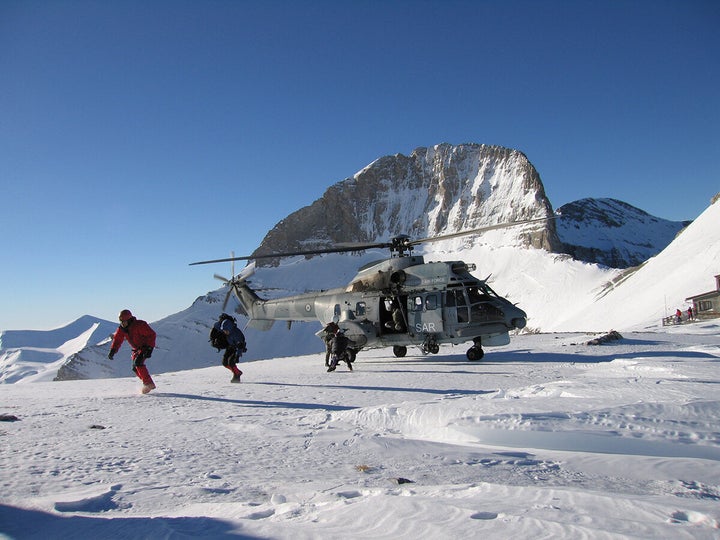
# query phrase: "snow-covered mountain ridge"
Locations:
[[439, 191], [446, 189], [613, 233], [53, 339], [38, 354]]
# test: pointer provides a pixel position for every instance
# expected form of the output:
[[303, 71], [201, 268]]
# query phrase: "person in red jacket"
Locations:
[[142, 340]]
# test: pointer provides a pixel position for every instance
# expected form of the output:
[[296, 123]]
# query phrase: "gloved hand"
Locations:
[[111, 354], [147, 351]]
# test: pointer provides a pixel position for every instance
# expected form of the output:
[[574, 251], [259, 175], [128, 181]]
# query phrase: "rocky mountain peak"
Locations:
[[435, 190], [612, 232]]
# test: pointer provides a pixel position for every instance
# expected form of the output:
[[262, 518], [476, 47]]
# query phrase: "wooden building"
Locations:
[[707, 305]]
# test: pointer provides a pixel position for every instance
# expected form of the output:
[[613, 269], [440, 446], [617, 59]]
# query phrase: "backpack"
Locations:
[[218, 339]]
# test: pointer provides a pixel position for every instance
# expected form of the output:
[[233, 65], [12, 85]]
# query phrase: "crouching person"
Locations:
[[339, 350]]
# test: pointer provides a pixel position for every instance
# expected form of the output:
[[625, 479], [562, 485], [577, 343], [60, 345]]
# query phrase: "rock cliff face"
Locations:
[[433, 191]]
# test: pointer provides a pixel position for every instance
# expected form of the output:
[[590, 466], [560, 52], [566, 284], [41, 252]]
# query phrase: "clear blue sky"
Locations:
[[139, 136]]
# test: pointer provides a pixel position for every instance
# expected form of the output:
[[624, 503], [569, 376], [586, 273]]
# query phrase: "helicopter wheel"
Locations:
[[475, 353], [434, 348], [399, 350]]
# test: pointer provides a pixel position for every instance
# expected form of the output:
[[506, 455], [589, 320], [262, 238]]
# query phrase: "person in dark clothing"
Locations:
[[142, 340], [329, 330], [397, 323], [339, 350], [236, 345], [398, 319]]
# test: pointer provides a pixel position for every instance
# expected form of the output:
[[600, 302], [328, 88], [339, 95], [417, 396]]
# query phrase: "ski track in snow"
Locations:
[[546, 437]]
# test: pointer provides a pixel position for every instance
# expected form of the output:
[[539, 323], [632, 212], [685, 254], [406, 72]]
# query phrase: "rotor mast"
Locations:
[[400, 246]]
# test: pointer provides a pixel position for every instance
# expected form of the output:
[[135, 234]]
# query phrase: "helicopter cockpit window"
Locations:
[[417, 303], [360, 309], [482, 305]]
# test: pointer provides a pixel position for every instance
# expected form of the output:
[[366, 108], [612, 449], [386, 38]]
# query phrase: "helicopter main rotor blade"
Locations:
[[344, 249], [477, 231], [399, 243]]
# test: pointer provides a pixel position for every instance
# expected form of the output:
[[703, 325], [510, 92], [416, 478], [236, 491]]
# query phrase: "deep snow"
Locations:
[[547, 438]]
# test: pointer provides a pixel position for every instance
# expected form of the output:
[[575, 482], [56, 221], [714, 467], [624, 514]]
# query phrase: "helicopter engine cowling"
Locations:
[[383, 275]]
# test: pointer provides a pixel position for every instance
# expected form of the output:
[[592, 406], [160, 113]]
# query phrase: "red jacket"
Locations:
[[138, 334]]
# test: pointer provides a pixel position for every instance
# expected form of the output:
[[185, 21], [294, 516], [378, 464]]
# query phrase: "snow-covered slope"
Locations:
[[34, 355], [548, 438], [641, 298]]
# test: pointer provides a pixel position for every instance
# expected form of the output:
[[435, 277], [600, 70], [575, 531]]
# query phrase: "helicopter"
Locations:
[[396, 302]]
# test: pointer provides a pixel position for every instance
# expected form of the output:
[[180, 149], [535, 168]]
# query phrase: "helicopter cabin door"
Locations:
[[425, 313], [457, 305], [393, 316]]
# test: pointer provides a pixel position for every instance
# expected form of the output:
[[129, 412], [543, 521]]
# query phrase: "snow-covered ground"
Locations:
[[546, 438]]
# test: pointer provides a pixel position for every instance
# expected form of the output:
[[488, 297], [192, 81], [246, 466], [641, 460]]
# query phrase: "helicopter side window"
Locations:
[[431, 302], [360, 309], [417, 303], [336, 312]]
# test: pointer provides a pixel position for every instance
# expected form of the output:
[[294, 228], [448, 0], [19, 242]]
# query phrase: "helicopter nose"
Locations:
[[519, 322]]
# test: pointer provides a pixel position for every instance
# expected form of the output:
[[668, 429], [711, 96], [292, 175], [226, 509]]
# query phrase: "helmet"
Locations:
[[125, 315]]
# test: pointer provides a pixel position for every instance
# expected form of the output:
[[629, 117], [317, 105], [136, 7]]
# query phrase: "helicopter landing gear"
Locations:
[[475, 352], [430, 346], [399, 351]]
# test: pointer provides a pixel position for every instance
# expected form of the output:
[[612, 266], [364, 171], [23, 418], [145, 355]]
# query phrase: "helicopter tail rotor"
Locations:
[[235, 283]]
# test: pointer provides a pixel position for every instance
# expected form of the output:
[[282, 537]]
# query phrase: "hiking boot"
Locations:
[[331, 368], [147, 388], [236, 378]]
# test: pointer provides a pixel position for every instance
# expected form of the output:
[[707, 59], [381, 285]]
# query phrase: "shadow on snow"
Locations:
[[22, 523]]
